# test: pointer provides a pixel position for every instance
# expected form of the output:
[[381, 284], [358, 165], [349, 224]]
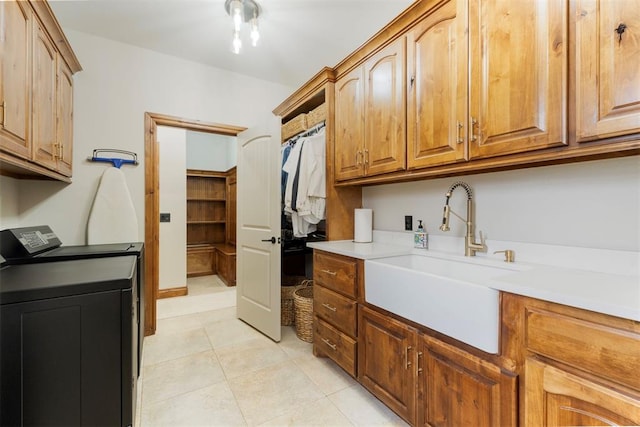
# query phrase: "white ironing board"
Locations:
[[112, 218]]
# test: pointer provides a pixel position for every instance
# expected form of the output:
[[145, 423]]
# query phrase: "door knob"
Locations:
[[272, 240]]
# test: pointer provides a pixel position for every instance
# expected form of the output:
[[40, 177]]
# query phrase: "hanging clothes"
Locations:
[[305, 189]]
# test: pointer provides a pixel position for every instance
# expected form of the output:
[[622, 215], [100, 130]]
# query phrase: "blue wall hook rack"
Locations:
[[116, 161]]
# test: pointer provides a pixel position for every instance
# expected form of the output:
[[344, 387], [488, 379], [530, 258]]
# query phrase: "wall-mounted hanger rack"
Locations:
[[116, 161]]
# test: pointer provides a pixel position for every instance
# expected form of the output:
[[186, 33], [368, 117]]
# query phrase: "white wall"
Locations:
[[208, 151], [173, 196], [592, 204], [118, 84], [9, 213]]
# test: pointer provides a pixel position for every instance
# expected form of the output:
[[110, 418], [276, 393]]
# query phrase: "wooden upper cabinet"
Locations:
[[385, 110], [64, 125], [15, 77], [437, 73], [607, 68], [518, 77], [44, 110], [349, 127], [371, 116]]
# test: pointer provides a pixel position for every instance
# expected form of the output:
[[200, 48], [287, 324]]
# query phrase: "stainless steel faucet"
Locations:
[[470, 245]]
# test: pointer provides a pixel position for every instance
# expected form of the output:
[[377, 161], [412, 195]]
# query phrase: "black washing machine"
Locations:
[[39, 244], [68, 337]]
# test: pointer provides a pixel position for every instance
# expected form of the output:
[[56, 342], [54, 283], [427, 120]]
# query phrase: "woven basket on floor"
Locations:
[[289, 285], [303, 305]]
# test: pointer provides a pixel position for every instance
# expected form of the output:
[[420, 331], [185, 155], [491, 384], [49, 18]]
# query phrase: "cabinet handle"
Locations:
[[419, 363], [474, 123], [358, 157], [327, 306], [4, 109], [61, 151], [621, 28], [366, 157], [327, 342], [333, 273], [460, 139], [407, 360], [413, 80]]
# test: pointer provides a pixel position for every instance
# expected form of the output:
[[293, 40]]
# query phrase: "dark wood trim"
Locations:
[[179, 291], [152, 199]]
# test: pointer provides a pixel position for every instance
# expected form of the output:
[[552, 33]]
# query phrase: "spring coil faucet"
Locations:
[[470, 245]]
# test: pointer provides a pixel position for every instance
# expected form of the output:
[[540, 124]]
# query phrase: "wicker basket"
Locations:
[[289, 285], [303, 304], [294, 126], [317, 115]]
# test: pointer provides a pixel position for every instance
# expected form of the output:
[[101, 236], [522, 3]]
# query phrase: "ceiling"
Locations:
[[298, 37]]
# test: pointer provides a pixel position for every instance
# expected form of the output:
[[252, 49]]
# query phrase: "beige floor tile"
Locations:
[[209, 406], [273, 392], [174, 377], [249, 356], [319, 413], [180, 306], [204, 285], [363, 409], [328, 376], [162, 347], [293, 345], [230, 332], [194, 321]]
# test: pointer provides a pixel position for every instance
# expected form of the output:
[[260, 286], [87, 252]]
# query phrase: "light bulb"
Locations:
[[255, 34], [236, 9], [236, 44]]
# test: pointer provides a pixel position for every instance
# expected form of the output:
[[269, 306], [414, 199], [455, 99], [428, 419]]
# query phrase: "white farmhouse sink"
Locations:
[[450, 296]]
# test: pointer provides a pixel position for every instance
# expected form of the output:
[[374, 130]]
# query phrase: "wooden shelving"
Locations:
[[210, 217]]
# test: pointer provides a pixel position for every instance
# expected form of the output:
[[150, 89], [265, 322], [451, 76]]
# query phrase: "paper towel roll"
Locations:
[[363, 226]]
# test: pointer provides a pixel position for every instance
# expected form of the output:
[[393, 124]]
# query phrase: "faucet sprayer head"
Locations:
[[445, 215]]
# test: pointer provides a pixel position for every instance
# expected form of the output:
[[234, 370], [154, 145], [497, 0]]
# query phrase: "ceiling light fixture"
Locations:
[[242, 11]]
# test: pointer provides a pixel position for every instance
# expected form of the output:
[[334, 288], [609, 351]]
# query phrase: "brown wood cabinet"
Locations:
[[336, 283], [371, 116], [606, 68], [15, 81], [211, 212], [437, 57], [579, 367], [386, 361], [457, 388], [36, 93], [518, 78]]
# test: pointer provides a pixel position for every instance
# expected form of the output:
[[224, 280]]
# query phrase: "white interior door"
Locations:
[[258, 233]]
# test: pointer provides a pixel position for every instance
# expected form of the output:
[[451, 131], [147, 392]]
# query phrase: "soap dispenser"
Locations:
[[420, 237]]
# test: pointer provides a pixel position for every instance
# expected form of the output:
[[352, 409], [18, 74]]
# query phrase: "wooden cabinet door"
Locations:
[[349, 118], [518, 75], [232, 202], [15, 77], [607, 71], [386, 361], [385, 110], [437, 73], [65, 119], [459, 389], [554, 397], [45, 148]]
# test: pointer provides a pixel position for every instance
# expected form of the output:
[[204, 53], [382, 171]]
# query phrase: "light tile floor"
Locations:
[[204, 367]]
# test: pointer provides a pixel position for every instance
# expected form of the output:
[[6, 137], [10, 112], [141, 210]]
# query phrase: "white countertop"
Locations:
[[607, 293]]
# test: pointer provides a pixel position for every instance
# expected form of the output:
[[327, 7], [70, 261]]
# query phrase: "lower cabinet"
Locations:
[[386, 361], [201, 260], [429, 382], [459, 389], [557, 397], [226, 263]]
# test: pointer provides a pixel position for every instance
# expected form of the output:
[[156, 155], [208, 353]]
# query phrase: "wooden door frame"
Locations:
[[152, 200]]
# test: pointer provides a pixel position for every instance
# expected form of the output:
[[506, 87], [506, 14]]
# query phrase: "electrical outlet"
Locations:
[[408, 222]]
